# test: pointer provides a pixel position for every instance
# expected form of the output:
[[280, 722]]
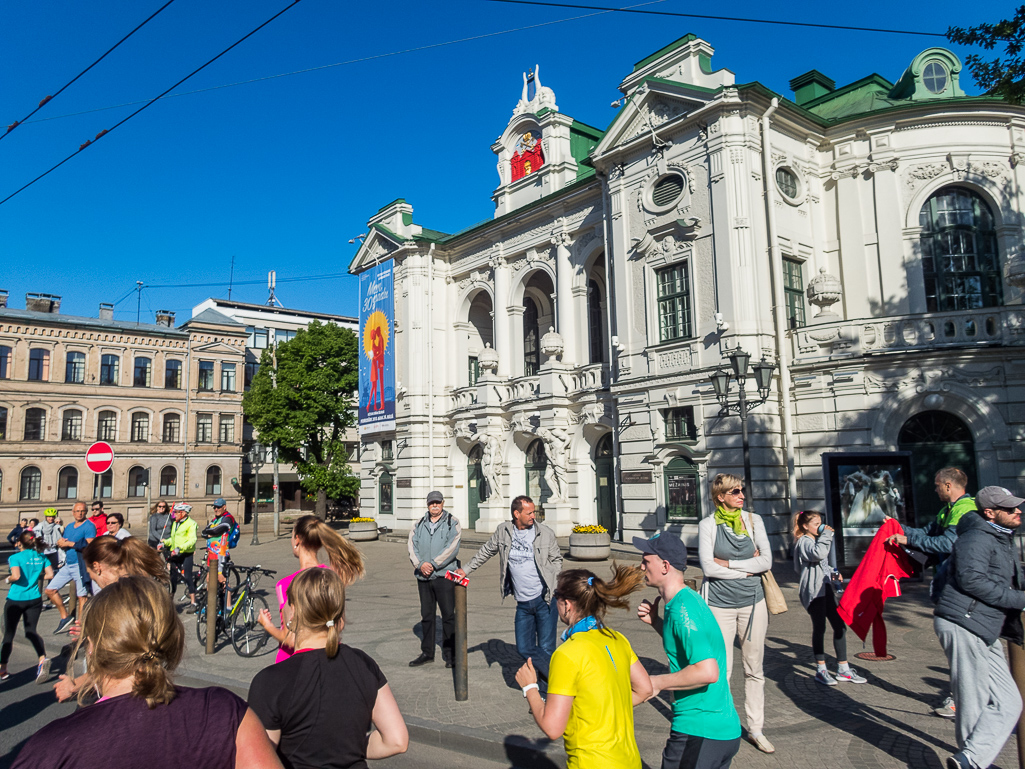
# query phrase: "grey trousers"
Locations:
[[988, 702]]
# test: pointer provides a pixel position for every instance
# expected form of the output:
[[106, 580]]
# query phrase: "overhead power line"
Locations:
[[298, 279], [51, 97], [721, 18], [121, 122], [360, 60]]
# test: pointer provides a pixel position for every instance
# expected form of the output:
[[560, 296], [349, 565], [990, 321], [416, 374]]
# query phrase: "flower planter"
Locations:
[[363, 531], [589, 547]]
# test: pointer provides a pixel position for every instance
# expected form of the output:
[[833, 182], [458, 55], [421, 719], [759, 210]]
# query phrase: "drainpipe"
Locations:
[[185, 425], [616, 461], [430, 366], [778, 304]]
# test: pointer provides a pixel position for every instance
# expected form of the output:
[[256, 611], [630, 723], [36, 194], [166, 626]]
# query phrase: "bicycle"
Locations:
[[200, 575], [240, 623]]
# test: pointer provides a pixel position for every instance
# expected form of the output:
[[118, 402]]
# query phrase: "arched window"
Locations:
[[531, 339], [960, 263], [140, 427], [213, 480], [594, 322], [682, 490], [109, 370], [35, 424], [67, 483], [71, 425], [74, 368], [106, 426], [169, 482], [172, 428], [143, 368], [137, 480], [31, 483]]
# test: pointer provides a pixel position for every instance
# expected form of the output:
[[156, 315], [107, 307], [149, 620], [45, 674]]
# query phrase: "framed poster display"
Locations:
[[863, 489]]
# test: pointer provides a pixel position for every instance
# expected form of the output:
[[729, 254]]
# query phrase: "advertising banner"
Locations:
[[377, 349]]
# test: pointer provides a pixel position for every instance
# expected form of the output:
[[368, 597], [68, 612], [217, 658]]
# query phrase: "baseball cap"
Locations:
[[435, 496], [669, 548], [993, 497], [219, 502]]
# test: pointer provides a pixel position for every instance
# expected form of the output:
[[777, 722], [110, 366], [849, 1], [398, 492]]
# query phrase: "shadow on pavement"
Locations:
[[504, 654], [524, 753]]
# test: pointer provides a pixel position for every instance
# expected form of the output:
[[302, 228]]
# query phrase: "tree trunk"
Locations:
[[321, 508]]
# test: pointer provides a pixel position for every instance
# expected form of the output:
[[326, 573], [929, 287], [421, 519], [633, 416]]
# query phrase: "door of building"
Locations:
[[605, 491], [683, 495], [537, 486], [474, 485], [936, 440]]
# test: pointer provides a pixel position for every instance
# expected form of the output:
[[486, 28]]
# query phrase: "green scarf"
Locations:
[[732, 519]]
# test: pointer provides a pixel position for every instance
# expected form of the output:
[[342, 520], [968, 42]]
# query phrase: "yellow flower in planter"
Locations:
[[579, 529], [361, 520]]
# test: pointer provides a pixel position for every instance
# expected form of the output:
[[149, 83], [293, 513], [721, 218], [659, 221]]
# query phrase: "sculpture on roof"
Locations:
[[543, 97]]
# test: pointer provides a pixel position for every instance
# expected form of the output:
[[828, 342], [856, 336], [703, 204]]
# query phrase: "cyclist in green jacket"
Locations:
[[180, 546]]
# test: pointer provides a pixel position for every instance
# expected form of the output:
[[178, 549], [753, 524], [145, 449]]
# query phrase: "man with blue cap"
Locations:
[[705, 732]]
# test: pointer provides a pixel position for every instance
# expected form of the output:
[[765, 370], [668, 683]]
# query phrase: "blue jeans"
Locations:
[[536, 624]]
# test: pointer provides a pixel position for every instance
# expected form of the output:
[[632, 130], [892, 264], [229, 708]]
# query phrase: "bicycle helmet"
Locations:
[[181, 507], [50, 512]]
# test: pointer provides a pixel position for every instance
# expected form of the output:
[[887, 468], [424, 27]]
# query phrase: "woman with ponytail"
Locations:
[[309, 537], [25, 600], [133, 641], [595, 678], [301, 700], [734, 551]]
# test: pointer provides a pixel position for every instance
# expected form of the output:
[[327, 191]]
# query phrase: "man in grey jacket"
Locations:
[[529, 562], [982, 602], [433, 546]]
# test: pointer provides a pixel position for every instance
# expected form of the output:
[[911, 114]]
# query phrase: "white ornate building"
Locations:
[[564, 349]]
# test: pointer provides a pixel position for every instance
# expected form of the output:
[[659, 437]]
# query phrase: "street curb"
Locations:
[[515, 749]]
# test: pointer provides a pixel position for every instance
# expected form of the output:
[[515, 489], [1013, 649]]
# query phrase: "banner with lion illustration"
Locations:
[[377, 350]]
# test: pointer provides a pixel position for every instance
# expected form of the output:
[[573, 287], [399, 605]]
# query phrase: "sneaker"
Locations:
[[760, 742], [191, 608], [851, 677], [64, 625], [43, 671], [450, 663], [423, 659], [947, 708], [824, 678], [959, 761]]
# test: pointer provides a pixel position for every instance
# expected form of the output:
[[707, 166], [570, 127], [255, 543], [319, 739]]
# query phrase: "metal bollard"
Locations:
[[211, 607], [462, 691], [1016, 656]]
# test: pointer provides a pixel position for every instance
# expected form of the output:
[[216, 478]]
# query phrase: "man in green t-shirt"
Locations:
[[705, 732]]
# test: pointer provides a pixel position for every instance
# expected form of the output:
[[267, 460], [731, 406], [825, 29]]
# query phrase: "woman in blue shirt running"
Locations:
[[25, 601]]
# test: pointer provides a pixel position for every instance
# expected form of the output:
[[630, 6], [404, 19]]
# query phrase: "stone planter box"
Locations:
[[363, 531], [589, 547]]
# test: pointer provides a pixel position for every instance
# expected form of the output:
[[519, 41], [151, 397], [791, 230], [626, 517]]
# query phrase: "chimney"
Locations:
[[106, 311], [165, 318], [810, 86], [3, 297], [49, 303]]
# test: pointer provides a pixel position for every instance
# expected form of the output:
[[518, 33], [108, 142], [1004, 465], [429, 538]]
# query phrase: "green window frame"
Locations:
[[385, 497], [683, 491], [680, 424], [793, 292], [674, 305]]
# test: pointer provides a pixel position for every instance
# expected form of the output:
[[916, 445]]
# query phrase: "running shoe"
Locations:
[[760, 742], [959, 761], [947, 708], [824, 678], [851, 677], [64, 625], [4, 676], [43, 671]]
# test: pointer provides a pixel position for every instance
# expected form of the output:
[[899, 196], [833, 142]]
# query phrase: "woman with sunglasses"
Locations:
[[595, 679], [159, 523], [116, 526], [734, 553]]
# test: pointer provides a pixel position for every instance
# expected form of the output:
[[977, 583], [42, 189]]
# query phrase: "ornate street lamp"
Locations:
[[720, 378], [256, 459]]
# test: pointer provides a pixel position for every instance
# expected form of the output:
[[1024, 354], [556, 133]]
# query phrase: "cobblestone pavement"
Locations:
[[886, 723]]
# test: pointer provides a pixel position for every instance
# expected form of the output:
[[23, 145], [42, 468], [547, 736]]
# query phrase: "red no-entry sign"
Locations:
[[99, 457]]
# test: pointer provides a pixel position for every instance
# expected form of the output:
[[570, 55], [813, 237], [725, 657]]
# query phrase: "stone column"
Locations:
[[567, 324], [503, 344]]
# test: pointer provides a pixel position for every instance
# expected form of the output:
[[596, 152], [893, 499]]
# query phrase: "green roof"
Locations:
[[663, 51], [582, 141]]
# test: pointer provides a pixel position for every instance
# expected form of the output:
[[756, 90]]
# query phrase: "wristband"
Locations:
[[528, 687]]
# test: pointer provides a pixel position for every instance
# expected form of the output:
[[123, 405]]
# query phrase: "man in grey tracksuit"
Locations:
[[529, 562], [433, 546], [982, 602]]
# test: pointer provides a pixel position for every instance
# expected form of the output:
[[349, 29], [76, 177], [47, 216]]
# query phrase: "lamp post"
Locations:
[[720, 378], [256, 459]]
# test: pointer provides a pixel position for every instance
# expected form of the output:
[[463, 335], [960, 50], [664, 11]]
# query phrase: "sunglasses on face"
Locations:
[[735, 492], [111, 520]]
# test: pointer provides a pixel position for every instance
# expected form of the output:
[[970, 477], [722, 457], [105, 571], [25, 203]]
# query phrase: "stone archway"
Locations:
[[936, 440]]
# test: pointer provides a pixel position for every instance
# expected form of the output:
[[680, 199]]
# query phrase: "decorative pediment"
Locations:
[[216, 348], [649, 109], [380, 244]]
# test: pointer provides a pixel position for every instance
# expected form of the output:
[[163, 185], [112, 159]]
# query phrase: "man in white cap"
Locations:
[[705, 732], [980, 604], [433, 547]]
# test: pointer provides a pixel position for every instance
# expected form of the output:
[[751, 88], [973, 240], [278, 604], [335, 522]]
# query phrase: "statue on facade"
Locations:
[[556, 441], [491, 464]]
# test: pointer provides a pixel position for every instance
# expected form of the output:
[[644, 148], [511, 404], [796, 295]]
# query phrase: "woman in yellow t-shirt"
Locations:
[[595, 678]]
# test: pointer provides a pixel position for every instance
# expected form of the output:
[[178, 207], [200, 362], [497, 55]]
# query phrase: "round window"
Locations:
[[786, 180], [934, 76], [667, 190]]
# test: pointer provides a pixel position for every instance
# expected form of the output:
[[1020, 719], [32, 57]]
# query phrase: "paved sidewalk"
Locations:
[[887, 723]]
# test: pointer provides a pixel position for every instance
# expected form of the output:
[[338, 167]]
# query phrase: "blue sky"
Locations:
[[281, 173]]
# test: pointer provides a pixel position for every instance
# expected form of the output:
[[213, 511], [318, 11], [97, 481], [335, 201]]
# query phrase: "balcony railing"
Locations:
[[970, 328]]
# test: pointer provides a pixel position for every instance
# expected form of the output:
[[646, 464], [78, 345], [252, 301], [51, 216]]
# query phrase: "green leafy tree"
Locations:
[[301, 398], [1004, 76]]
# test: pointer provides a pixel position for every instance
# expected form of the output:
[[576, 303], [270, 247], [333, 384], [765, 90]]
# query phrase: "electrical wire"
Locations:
[[298, 279], [721, 18], [110, 50], [121, 122], [360, 60]]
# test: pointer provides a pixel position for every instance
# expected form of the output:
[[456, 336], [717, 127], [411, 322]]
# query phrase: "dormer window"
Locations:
[[935, 77]]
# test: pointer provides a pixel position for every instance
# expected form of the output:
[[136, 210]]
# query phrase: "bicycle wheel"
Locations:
[[201, 624], [247, 635]]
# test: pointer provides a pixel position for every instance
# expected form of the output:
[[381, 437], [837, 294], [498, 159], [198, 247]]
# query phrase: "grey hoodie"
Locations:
[[812, 562]]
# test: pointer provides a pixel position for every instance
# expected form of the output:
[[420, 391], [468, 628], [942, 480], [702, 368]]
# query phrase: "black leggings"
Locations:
[[13, 612], [184, 560], [822, 609]]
